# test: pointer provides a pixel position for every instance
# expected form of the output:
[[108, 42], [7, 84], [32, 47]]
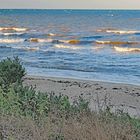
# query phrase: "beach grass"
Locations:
[[29, 114]]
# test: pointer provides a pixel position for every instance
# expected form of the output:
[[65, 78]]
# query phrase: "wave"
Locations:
[[31, 48], [13, 29], [70, 41], [37, 40], [117, 42], [121, 49], [22, 48], [12, 34], [74, 42], [61, 46], [57, 35], [4, 47], [51, 34], [122, 32], [55, 41], [49, 40], [119, 31], [11, 40], [92, 37]]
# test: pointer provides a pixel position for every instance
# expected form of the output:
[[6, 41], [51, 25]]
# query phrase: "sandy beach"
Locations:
[[100, 94]]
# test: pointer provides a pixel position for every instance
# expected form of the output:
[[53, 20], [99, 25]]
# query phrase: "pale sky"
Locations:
[[70, 4]]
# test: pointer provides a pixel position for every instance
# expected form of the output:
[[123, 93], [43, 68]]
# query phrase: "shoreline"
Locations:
[[80, 79], [79, 75], [119, 96]]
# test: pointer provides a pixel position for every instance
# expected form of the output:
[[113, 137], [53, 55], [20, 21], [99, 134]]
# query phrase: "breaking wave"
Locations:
[[12, 34], [13, 29], [121, 49], [119, 31], [37, 40], [61, 46], [22, 48], [57, 35], [70, 41], [117, 42], [11, 40], [74, 42]]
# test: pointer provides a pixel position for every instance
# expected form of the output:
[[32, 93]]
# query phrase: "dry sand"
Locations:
[[119, 96]]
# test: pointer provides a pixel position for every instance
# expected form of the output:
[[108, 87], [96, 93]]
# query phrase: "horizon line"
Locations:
[[66, 9]]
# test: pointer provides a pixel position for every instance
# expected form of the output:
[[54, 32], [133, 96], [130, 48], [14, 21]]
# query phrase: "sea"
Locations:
[[101, 45]]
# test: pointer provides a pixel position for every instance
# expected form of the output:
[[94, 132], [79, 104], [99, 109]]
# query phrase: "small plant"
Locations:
[[80, 105], [11, 71]]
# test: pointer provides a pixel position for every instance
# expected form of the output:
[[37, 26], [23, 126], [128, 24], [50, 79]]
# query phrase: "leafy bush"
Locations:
[[25, 101], [11, 71]]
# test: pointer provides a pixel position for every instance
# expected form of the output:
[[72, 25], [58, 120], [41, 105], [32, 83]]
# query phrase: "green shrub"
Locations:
[[26, 101], [11, 71]]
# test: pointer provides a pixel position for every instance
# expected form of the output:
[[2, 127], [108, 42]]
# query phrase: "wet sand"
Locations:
[[100, 94]]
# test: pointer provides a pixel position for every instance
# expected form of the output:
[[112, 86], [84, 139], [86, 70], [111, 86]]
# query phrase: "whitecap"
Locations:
[[12, 34], [31, 48], [122, 31], [11, 40], [37, 40], [118, 31], [117, 42], [61, 46], [51, 34], [64, 41], [102, 42], [13, 29], [70, 41], [126, 49], [57, 35]]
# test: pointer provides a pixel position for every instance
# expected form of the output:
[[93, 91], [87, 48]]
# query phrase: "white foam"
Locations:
[[122, 31], [121, 49], [31, 48], [51, 34], [102, 42], [10, 34], [37, 40], [118, 31], [61, 46], [116, 42], [64, 41], [11, 40], [13, 28], [70, 41]]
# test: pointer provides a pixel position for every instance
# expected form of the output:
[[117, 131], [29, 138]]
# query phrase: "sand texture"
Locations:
[[99, 94]]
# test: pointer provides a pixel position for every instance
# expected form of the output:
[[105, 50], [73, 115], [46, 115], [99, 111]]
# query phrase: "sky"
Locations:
[[70, 4]]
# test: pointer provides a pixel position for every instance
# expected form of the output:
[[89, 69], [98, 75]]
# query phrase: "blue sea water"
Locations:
[[99, 45]]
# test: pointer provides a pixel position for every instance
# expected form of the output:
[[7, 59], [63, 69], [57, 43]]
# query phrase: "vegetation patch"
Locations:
[[28, 114]]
